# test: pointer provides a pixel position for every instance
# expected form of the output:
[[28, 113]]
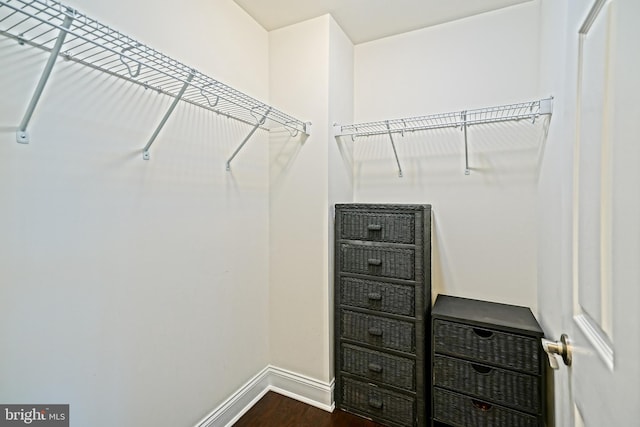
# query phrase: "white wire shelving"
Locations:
[[459, 119], [63, 31]]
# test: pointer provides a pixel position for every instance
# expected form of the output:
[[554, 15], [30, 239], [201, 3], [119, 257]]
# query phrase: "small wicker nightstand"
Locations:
[[488, 365], [382, 305]]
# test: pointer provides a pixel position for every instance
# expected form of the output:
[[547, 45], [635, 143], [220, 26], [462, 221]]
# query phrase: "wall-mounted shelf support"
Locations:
[[63, 31], [461, 119], [22, 136], [259, 123], [467, 171], [145, 151], [395, 153]]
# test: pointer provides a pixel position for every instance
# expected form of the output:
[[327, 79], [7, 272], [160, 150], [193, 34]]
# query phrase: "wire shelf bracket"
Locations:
[[63, 31], [145, 151], [22, 136], [467, 171], [259, 123], [462, 119], [395, 153]]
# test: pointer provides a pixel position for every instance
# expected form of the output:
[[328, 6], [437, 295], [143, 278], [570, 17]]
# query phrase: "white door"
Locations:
[[600, 303]]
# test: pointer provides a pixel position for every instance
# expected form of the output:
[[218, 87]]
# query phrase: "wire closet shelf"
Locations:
[[63, 31], [521, 111], [459, 119]]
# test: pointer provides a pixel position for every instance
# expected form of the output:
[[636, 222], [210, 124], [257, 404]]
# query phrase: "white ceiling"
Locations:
[[366, 20]]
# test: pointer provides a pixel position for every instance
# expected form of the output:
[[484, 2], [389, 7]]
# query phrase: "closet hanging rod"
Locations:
[[510, 112], [93, 44]]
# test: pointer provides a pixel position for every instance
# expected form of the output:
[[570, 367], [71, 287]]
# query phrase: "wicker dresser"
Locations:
[[382, 305], [488, 365]]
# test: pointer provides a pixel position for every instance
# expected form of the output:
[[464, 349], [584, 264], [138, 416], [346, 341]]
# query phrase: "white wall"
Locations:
[[136, 291], [340, 159], [484, 236], [298, 211], [310, 65]]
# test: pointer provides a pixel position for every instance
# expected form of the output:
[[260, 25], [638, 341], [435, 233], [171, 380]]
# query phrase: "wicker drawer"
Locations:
[[485, 345], [378, 226], [396, 408], [379, 331], [509, 388], [462, 411], [384, 368], [378, 260], [380, 296]]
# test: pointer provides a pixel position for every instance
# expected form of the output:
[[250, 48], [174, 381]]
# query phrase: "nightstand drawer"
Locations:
[[485, 345], [381, 367], [509, 388], [462, 411], [378, 331], [380, 296], [388, 405], [378, 260], [378, 226]]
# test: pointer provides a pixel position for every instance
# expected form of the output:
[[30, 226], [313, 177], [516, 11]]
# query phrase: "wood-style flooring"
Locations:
[[275, 410]]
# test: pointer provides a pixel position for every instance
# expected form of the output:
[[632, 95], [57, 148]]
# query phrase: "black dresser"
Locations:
[[382, 304], [488, 365]]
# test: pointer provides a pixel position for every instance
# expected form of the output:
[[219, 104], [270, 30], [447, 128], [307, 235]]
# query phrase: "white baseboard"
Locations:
[[290, 384], [302, 388]]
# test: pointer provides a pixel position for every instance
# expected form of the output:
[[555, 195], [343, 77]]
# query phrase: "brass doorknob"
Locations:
[[561, 348]]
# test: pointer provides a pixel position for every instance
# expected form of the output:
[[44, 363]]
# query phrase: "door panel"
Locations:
[[592, 190]]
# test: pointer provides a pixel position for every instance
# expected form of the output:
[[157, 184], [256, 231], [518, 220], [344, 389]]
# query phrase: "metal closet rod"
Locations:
[[61, 30], [459, 119]]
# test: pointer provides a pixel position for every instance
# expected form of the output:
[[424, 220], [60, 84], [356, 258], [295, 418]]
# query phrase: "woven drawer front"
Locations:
[[484, 345], [377, 366], [386, 404], [378, 227], [379, 296], [496, 385], [378, 331], [378, 261], [462, 411]]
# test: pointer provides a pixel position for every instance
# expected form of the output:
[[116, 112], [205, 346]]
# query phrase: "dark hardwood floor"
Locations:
[[275, 410]]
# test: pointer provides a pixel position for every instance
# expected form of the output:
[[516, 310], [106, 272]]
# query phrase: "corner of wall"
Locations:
[[299, 387]]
